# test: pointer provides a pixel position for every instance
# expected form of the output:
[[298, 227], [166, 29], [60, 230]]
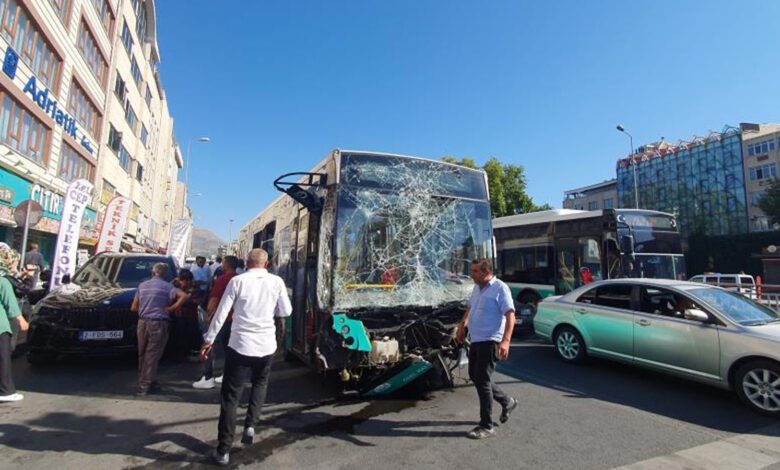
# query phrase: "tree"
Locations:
[[507, 185], [770, 202]]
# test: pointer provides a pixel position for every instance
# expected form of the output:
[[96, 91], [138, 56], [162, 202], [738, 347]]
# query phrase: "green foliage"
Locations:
[[507, 185], [770, 202]]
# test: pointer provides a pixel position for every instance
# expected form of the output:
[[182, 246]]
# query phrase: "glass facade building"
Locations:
[[701, 182]]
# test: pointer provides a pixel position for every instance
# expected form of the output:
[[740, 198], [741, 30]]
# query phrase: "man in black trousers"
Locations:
[[259, 302]]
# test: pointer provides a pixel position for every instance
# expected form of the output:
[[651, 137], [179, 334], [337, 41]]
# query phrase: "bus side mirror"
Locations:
[[627, 244], [306, 197]]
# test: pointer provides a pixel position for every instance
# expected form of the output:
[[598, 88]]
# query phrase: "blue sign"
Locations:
[[10, 62], [50, 106]]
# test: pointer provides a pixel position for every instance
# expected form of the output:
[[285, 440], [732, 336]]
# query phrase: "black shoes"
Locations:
[[505, 412]]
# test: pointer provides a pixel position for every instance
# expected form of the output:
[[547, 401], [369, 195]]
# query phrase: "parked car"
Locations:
[[97, 319], [691, 330], [742, 283]]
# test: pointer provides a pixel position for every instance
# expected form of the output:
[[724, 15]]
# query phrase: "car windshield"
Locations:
[[117, 271], [738, 308]]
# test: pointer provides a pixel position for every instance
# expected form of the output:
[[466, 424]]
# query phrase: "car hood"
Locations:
[[769, 332], [109, 298]]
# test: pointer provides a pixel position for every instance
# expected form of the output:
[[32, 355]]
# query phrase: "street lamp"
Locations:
[[187, 167], [622, 129], [230, 239]]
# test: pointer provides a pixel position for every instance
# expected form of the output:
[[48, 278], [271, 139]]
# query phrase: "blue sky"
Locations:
[[277, 85]]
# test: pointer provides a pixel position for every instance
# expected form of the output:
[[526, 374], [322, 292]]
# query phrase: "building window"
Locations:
[[22, 131], [763, 172], [61, 8], [91, 52], [140, 19], [82, 109], [760, 148], [114, 138], [130, 117], [593, 205], [105, 14], [148, 96], [608, 204], [120, 89], [139, 172], [136, 72], [28, 42], [144, 134], [127, 38], [73, 166], [125, 160]]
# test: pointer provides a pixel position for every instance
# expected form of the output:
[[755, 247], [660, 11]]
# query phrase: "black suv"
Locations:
[[97, 319]]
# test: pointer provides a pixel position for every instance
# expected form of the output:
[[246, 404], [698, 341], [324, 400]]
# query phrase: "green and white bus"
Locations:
[[552, 252]]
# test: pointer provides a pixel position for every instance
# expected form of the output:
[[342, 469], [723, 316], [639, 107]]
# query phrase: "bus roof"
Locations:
[[556, 215]]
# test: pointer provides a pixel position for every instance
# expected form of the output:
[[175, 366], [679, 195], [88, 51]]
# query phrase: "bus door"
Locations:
[[299, 286], [566, 265]]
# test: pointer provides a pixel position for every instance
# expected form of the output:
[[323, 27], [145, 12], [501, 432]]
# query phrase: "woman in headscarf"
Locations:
[[9, 312]]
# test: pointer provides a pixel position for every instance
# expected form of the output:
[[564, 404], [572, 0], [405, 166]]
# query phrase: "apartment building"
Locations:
[[64, 116]]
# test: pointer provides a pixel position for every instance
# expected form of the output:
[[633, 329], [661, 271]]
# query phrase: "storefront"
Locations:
[[15, 190]]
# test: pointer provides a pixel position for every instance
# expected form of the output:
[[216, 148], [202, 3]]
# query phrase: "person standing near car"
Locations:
[[9, 312], [259, 302], [154, 301], [490, 318]]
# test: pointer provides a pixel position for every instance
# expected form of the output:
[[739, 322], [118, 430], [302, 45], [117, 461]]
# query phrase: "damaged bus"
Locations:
[[375, 251]]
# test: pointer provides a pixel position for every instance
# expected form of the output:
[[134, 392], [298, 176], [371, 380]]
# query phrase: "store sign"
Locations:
[[10, 62], [66, 253], [49, 200], [6, 194], [114, 221], [49, 106]]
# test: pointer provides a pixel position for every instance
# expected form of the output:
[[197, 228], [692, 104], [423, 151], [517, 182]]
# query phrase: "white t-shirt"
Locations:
[[256, 297]]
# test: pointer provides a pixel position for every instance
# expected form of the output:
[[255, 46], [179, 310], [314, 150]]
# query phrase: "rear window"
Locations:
[[618, 296], [746, 280]]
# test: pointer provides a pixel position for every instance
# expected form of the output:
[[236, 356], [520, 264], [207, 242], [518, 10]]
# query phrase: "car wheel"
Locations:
[[569, 345], [758, 386], [37, 358]]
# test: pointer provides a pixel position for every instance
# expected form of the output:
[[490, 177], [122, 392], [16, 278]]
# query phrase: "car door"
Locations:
[[605, 319], [664, 339]]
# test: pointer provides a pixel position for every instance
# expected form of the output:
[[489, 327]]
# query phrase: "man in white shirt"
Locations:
[[259, 302]]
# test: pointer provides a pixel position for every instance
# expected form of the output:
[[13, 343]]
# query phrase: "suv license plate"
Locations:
[[100, 335]]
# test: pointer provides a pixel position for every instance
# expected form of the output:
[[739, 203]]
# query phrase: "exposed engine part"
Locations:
[[344, 375], [384, 351]]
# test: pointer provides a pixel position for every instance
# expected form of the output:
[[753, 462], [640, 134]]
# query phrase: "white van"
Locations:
[[742, 283]]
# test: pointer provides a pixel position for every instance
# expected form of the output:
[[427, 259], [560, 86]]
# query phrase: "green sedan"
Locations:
[[691, 330]]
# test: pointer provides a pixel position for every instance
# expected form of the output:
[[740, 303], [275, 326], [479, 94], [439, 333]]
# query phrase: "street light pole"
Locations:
[[633, 163], [187, 167], [230, 239]]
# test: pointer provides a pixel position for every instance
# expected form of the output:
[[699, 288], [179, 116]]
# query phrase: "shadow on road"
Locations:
[[536, 363], [60, 432]]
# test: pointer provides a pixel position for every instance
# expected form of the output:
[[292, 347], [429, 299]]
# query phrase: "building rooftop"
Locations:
[[592, 187]]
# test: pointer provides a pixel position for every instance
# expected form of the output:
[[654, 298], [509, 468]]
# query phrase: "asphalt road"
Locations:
[[81, 414]]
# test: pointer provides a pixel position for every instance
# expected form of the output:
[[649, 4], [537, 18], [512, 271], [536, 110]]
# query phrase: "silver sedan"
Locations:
[[687, 329]]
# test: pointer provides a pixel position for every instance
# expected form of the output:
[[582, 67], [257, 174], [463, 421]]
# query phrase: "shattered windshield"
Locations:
[[401, 239]]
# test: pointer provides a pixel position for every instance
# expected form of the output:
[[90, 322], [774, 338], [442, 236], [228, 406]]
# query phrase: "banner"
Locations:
[[180, 237], [65, 255], [114, 221]]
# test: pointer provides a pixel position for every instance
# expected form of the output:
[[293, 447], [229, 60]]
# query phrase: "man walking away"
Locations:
[[259, 302], [152, 302], [208, 381], [490, 318], [34, 258]]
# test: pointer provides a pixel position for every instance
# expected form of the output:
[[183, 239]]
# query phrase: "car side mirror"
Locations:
[[695, 314]]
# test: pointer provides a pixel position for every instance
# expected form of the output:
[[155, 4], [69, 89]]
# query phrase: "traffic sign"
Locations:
[[20, 213]]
